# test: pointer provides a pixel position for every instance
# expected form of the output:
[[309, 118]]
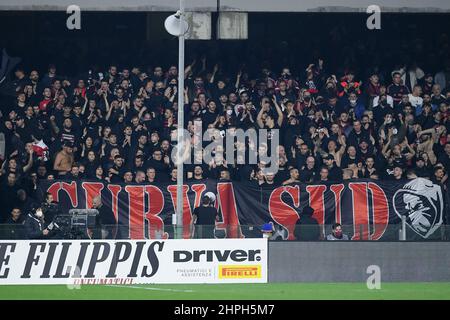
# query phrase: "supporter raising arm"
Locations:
[[29, 165], [279, 112], [427, 140], [411, 153], [262, 111]]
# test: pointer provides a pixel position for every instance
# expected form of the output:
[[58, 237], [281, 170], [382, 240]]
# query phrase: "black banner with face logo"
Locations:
[[368, 209]]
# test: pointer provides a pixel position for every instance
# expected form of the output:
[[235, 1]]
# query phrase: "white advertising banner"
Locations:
[[78, 262]]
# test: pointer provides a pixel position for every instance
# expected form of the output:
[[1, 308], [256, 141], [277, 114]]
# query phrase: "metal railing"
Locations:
[[391, 232]]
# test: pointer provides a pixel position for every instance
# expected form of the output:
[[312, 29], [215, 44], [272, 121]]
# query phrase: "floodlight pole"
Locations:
[[180, 121]]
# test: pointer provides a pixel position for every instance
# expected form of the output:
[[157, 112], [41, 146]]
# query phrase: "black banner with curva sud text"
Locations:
[[370, 206]]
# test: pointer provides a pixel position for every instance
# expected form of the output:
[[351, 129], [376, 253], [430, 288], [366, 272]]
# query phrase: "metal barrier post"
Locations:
[[403, 230], [174, 225]]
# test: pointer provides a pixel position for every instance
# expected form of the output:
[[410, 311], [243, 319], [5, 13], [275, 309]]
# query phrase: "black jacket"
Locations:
[[307, 229], [50, 210], [13, 230], [335, 174], [34, 227]]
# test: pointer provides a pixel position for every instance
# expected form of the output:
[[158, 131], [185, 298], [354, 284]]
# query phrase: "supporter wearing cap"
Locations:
[[365, 149], [23, 131], [267, 230], [421, 169]]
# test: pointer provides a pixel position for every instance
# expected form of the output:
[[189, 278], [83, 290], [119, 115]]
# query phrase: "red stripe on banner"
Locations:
[[380, 211], [136, 211], [91, 190], [337, 191], [71, 189], [360, 210], [54, 190], [227, 204], [155, 207], [198, 190], [281, 212], [115, 189]]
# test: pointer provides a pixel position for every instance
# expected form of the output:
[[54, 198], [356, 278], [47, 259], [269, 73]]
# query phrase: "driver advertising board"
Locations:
[[79, 262]]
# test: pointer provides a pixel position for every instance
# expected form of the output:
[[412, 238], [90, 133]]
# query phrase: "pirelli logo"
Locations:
[[240, 272]]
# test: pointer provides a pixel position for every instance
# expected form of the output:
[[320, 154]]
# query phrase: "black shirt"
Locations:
[[205, 215], [106, 216], [307, 175], [335, 174], [307, 229]]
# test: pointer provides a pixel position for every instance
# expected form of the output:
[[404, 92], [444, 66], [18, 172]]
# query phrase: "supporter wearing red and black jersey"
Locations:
[[396, 89], [373, 88], [47, 100]]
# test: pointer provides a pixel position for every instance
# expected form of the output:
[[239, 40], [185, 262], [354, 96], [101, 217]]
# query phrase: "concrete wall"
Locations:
[[108, 5], [334, 5], [232, 5], [348, 261]]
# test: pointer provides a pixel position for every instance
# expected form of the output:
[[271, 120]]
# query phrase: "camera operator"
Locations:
[[50, 208], [35, 225]]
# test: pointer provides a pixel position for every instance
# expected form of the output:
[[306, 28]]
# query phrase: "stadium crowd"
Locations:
[[119, 125]]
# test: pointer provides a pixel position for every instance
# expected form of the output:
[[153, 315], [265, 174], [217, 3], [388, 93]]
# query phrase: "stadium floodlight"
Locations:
[[176, 25]]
